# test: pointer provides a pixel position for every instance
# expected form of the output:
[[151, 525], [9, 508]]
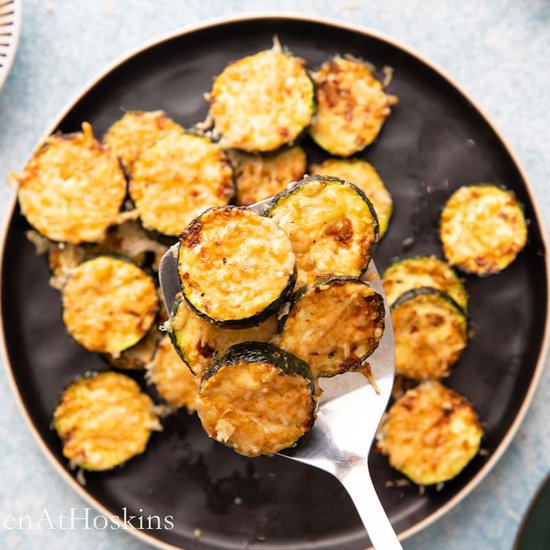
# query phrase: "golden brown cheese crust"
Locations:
[[103, 421], [334, 326], [262, 176], [331, 226], [177, 178], [423, 271], [430, 334], [109, 304], [363, 175], [261, 102], [234, 264], [482, 229], [135, 132], [351, 106], [430, 434], [255, 408], [172, 378], [201, 342], [72, 188]]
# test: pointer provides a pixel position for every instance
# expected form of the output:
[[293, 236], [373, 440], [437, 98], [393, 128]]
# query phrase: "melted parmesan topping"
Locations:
[[351, 106], [261, 102], [234, 263], [178, 178], [255, 408], [363, 175], [174, 381], [135, 132], [430, 434], [109, 304], [424, 271], [103, 421], [201, 342], [482, 229], [430, 335], [331, 227], [72, 188], [262, 176], [334, 326]]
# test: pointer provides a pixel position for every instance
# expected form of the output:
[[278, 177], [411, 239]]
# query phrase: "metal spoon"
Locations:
[[348, 416]]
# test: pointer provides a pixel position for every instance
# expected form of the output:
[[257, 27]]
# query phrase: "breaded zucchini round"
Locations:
[[482, 229], [236, 267], [423, 271], [177, 178], [430, 331], [262, 102], [103, 421], [257, 399], [363, 175], [172, 378], [262, 176], [332, 225], [352, 106], [334, 326], [135, 132], [72, 188], [430, 434], [199, 342], [139, 355], [109, 304]]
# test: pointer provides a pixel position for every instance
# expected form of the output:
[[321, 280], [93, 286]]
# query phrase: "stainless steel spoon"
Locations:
[[349, 413]]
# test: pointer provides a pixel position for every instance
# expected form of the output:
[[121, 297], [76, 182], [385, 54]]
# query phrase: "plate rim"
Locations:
[[341, 24], [12, 52]]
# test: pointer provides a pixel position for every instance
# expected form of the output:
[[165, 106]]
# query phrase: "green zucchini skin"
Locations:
[[428, 291], [172, 333], [299, 187], [261, 352]]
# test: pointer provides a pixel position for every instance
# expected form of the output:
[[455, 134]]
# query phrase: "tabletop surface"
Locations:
[[498, 50]]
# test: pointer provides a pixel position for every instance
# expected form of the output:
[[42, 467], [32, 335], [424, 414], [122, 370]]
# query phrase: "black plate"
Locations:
[[434, 142]]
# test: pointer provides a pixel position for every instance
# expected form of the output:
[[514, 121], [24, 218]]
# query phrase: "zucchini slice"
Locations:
[[139, 355], [363, 175], [109, 304], [103, 421], [430, 434], [482, 229], [423, 271], [430, 330], [72, 188], [352, 106], [334, 326], [332, 225], [129, 136], [236, 267], [257, 399], [174, 382], [262, 176], [177, 178], [262, 102], [199, 342]]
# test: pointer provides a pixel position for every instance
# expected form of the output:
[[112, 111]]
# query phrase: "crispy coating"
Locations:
[[352, 106], [103, 421], [72, 188], [482, 229], [430, 434]]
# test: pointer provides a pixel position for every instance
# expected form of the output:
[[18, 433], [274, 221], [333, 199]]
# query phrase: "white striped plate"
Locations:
[[10, 22]]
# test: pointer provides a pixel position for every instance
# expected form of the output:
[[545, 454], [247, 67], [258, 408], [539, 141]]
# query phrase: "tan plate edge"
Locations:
[[507, 439]]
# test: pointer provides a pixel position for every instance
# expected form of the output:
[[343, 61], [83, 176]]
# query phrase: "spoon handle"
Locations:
[[358, 483]]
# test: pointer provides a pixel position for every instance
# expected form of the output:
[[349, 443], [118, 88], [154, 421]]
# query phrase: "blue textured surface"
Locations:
[[497, 49]]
